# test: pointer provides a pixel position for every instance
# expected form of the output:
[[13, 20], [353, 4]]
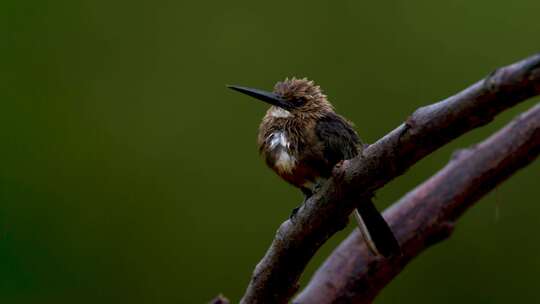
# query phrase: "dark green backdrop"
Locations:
[[129, 174]]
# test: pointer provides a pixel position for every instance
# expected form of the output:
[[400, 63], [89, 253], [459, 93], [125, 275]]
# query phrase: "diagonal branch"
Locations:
[[275, 278], [427, 214]]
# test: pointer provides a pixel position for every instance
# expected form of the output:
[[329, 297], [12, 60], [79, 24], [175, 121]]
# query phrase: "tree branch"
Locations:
[[275, 278], [427, 214]]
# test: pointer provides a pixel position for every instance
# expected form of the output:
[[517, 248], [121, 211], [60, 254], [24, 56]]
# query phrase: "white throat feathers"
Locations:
[[279, 144]]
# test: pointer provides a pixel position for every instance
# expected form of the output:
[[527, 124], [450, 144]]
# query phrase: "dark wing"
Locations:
[[339, 138], [341, 142]]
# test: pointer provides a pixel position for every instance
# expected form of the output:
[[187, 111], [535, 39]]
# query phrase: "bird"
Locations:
[[302, 138]]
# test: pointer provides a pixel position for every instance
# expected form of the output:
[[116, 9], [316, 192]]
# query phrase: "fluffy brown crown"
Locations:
[[305, 91]]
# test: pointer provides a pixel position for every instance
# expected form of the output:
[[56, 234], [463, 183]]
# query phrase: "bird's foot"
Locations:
[[307, 194], [295, 210], [293, 213], [318, 185]]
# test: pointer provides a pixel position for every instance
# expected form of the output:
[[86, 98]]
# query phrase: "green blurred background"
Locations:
[[130, 174]]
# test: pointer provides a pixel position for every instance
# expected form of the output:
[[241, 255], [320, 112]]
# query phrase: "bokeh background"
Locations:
[[130, 174]]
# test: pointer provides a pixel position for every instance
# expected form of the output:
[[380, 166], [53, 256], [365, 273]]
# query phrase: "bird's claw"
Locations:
[[293, 213], [318, 185]]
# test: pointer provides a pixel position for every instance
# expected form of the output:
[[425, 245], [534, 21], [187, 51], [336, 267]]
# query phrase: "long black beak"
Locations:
[[267, 97]]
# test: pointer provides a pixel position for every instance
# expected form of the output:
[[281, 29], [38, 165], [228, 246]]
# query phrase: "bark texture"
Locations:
[[427, 214], [275, 278]]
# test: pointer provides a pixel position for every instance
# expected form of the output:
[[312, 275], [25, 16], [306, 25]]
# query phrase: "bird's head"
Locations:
[[296, 96]]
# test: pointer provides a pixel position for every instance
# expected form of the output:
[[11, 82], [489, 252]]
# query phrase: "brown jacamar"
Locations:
[[302, 138]]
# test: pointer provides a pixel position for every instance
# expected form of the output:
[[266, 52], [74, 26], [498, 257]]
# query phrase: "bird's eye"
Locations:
[[300, 101]]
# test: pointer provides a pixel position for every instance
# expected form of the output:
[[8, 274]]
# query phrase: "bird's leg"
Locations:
[[339, 164], [318, 185], [307, 194], [294, 211]]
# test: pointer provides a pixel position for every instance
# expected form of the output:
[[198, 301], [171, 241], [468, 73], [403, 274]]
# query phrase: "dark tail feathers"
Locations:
[[378, 230]]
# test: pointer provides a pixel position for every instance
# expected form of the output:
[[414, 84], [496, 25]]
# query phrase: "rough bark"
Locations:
[[427, 214], [275, 278]]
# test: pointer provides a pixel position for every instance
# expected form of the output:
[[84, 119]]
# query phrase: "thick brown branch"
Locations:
[[427, 214], [275, 278]]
